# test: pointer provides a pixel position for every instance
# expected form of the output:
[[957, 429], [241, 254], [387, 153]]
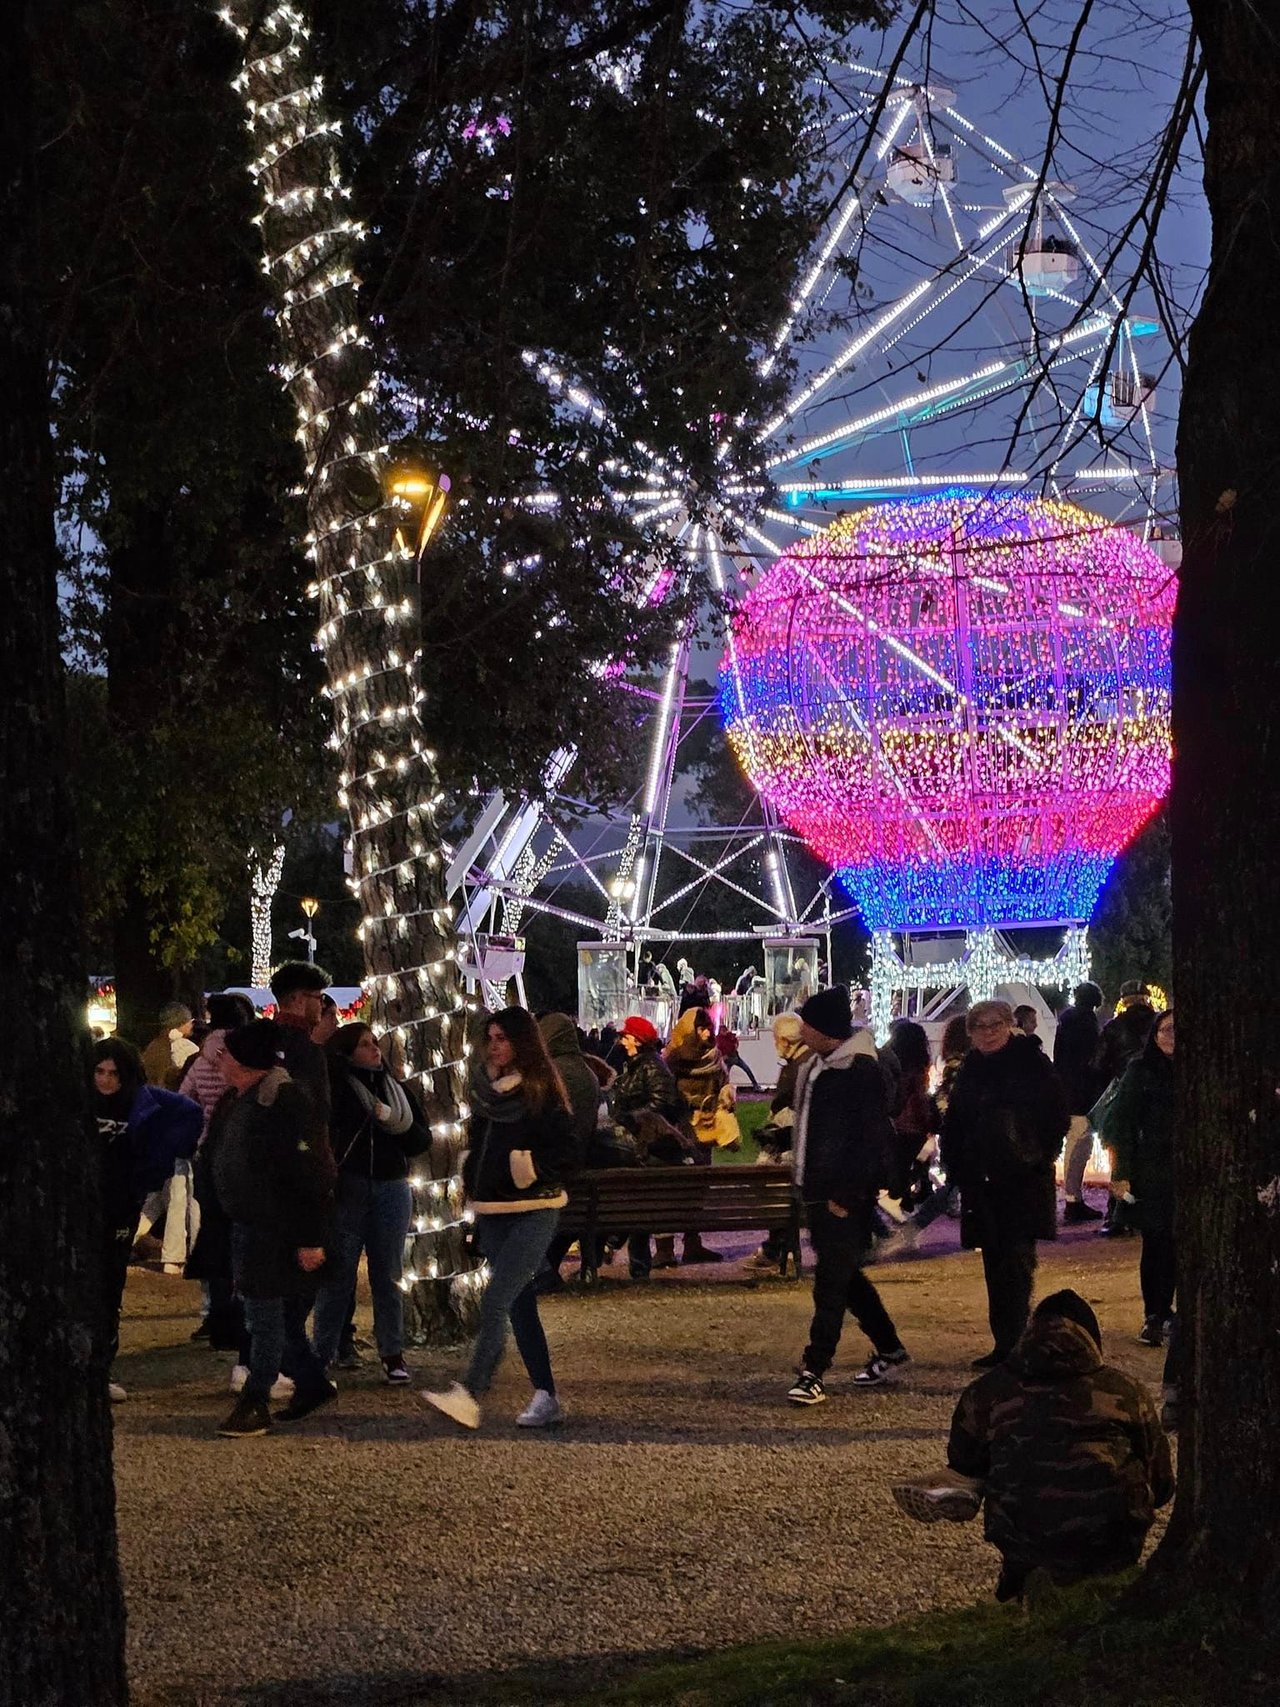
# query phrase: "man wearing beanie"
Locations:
[[276, 1186], [1066, 1452], [841, 1154]]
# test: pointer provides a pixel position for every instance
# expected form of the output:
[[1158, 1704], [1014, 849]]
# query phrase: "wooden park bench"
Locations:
[[615, 1201]]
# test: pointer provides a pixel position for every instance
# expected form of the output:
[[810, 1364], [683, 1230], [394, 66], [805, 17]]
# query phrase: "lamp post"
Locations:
[[310, 907]]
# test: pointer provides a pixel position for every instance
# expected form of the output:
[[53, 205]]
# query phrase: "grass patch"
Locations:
[[751, 1117], [1082, 1650]]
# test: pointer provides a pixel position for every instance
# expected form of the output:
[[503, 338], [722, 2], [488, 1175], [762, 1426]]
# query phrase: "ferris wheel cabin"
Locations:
[[915, 171]]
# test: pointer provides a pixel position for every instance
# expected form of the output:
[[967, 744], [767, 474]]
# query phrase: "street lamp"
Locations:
[[423, 495], [310, 907]]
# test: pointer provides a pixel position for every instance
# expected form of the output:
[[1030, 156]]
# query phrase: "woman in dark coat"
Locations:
[[1140, 1132], [1001, 1135], [375, 1125], [143, 1131]]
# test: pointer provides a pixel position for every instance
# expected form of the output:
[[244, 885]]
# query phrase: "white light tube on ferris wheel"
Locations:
[[797, 453], [852, 204], [658, 752]]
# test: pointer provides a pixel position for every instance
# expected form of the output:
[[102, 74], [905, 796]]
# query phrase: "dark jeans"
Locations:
[[514, 1247], [1158, 1273], [1009, 1266], [116, 1272], [372, 1216], [839, 1245], [279, 1346], [735, 1060]]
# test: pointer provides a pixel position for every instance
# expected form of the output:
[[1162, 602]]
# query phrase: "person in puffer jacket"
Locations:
[[1066, 1453], [521, 1146]]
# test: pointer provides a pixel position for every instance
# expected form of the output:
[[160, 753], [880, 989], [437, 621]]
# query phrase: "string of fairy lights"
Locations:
[[362, 586]]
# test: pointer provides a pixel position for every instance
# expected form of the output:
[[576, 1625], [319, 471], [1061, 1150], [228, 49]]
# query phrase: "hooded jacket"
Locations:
[[159, 1128], [581, 1083], [1072, 1454], [699, 1070], [1004, 1125], [842, 1146]]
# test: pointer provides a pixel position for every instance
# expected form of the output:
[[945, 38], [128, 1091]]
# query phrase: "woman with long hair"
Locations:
[[1140, 1131], [375, 1125], [143, 1131], [521, 1143]]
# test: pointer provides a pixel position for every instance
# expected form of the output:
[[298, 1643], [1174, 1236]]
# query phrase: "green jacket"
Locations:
[[1071, 1452], [1140, 1133]]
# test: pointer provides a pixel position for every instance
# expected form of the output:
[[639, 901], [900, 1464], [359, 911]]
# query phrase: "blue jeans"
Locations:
[[513, 1246], [279, 1346], [372, 1216]]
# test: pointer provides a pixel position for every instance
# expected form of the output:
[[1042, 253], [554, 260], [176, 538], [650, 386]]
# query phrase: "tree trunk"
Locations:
[[264, 880], [1224, 1542], [368, 601], [61, 1609]]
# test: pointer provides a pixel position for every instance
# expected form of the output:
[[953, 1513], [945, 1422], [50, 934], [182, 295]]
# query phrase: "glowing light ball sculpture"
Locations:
[[961, 703]]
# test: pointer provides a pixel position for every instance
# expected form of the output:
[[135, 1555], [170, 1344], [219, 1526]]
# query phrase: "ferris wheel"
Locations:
[[981, 345]]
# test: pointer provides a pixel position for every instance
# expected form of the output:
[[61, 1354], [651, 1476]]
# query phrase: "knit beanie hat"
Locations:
[[174, 1014], [639, 1027], [256, 1045], [1074, 1308], [829, 1012]]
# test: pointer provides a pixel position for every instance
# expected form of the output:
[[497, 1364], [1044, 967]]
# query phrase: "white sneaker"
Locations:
[[175, 1268], [456, 1403], [282, 1387], [542, 1411], [116, 1393]]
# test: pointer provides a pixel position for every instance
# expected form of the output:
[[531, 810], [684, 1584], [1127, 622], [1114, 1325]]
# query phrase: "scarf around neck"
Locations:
[[390, 1093], [499, 1100]]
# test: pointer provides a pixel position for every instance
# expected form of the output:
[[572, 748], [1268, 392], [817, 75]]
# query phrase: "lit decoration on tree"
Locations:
[[961, 702], [358, 506], [264, 880]]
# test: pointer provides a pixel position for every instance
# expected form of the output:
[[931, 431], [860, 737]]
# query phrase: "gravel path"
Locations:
[[371, 1555]]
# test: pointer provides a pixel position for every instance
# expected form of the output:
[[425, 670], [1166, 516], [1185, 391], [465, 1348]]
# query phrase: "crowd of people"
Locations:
[[279, 1151]]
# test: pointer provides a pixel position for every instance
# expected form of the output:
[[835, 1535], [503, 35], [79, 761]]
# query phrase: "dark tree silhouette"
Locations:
[[61, 1611]]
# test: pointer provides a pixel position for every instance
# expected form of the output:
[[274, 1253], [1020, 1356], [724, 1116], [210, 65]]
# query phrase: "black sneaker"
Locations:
[[202, 1332], [396, 1370], [992, 1360], [248, 1418], [302, 1404], [807, 1389], [881, 1366], [1075, 1213], [349, 1357], [1152, 1331]]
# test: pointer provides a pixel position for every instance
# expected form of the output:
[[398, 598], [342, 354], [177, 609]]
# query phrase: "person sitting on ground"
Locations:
[[1065, 1452], [276, 1187], [842, 1155], [703, 1081]]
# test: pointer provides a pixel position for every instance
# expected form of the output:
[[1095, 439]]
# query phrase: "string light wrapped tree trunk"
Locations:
[[264, 880], [366, 589]]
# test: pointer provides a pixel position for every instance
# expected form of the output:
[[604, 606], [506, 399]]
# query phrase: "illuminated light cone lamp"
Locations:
[[961, 703]]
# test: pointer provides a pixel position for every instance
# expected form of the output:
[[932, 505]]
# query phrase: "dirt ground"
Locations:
[[372, 1554]]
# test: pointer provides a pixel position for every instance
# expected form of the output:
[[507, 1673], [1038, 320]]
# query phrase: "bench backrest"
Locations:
[[733, 1198]]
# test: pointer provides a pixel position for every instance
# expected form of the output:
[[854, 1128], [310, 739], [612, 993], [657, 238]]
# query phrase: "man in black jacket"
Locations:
[[276, 1187], [1075, 1050], [1004, 1125], [840, 1154]]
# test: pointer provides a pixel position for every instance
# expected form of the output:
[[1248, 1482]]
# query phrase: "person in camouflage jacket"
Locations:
[[1071, 1454]]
